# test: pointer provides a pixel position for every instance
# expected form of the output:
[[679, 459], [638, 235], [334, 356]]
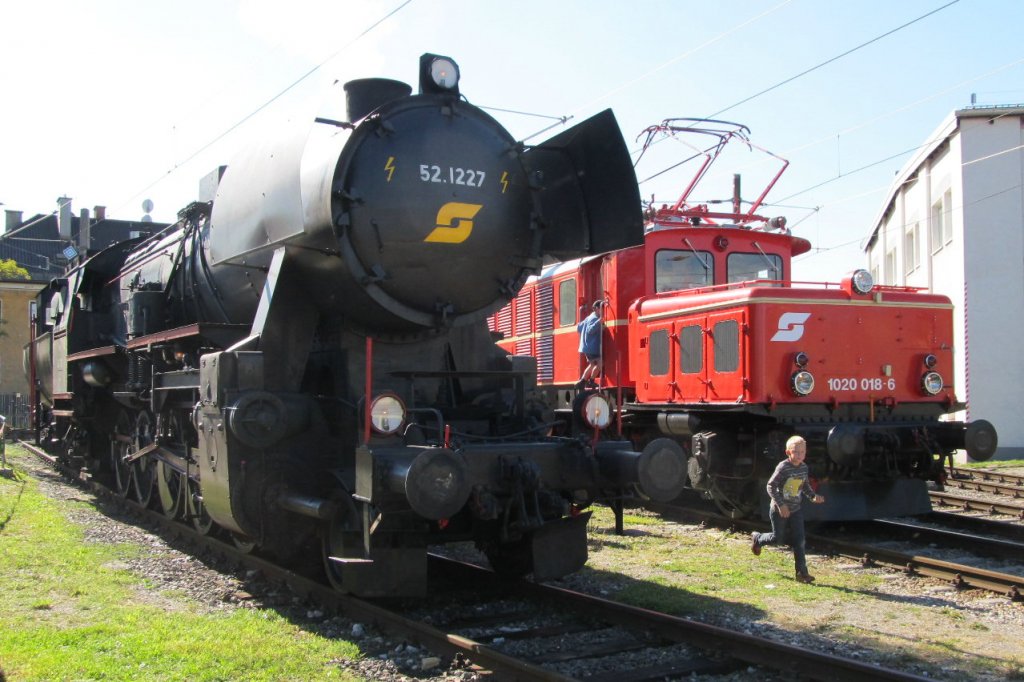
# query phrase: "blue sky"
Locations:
[[115, 101]]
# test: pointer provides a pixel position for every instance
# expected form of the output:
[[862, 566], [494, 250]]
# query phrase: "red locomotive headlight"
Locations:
[[801, 359], [858, 282], [862, 281], [930, 361], [802, 382], [932, 383]]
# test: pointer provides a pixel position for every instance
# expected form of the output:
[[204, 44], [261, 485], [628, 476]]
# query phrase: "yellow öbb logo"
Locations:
[[454, 223]]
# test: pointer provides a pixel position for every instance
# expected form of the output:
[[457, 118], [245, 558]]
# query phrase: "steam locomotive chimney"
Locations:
[[364, 95]]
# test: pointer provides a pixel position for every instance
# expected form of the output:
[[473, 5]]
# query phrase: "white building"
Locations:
[[953, 222]]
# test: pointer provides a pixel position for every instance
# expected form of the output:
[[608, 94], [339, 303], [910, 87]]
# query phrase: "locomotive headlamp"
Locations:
[[387, 414], [596, 411], [438, 75], [932, 383], [802, 382], [930, 361], [801, 359], [862, 281]]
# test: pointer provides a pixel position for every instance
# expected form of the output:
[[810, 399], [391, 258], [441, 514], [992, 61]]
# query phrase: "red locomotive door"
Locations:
[[660, 369], [691, 374], [725, 356]]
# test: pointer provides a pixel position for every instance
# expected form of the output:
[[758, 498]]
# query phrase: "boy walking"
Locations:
[[786, 487]]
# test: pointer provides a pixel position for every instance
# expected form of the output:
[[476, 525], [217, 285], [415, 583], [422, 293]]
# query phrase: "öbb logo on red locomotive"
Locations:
[[791, 326]]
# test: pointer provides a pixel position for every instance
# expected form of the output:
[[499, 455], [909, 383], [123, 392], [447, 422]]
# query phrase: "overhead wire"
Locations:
[[787, 153], [651, 72], [682, 56], [964, 164], [833, 59], [264, 105], [811, 70]]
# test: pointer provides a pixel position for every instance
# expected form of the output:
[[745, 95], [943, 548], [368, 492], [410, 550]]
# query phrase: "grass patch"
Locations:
[[68, 612], [707, 571]]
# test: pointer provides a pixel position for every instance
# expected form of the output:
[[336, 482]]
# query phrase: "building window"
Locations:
[[947, 216], [567, 303], [911, 257], [942, 221], [890, 267]]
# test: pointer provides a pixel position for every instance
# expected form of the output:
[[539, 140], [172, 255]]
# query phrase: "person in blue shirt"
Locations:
[[590, 331]]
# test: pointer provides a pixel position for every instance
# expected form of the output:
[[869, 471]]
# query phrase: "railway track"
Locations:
[[987, 505], [976, 525], [988, 476], [628, 640], [958, 574], [914, 531], [991, 492]]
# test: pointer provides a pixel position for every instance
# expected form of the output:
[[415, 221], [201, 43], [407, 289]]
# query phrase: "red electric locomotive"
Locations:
[[711, 347]]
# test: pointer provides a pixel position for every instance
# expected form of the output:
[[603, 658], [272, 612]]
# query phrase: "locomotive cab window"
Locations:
[[745, 267], [567, 303], [675, 270]]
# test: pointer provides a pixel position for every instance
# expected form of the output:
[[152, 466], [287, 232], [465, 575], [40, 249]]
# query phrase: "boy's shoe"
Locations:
[[754, 546], [805, 578]]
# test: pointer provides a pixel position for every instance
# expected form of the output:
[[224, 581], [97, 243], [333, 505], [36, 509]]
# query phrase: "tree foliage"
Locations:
[[9, 269]]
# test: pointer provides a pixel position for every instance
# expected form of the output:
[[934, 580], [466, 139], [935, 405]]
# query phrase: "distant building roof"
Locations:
[[935, 142], [35, 244]]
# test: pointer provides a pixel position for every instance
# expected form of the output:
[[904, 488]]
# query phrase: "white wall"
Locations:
[[993, 216]]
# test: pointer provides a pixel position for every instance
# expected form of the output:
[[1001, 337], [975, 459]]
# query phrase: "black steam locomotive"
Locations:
[[305, 358]]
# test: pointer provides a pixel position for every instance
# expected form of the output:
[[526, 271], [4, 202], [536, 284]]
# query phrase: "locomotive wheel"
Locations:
[[243, 543], [120, 448], [195, 510], [170, 487], [144, 470], [735, 501]]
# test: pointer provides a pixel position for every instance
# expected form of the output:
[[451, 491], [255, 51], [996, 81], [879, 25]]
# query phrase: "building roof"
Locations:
[[36, 245], [938, 138]]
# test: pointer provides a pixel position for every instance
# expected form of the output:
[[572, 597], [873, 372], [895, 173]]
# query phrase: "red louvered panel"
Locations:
[[503, 319], [545, 307], [524, 313]]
